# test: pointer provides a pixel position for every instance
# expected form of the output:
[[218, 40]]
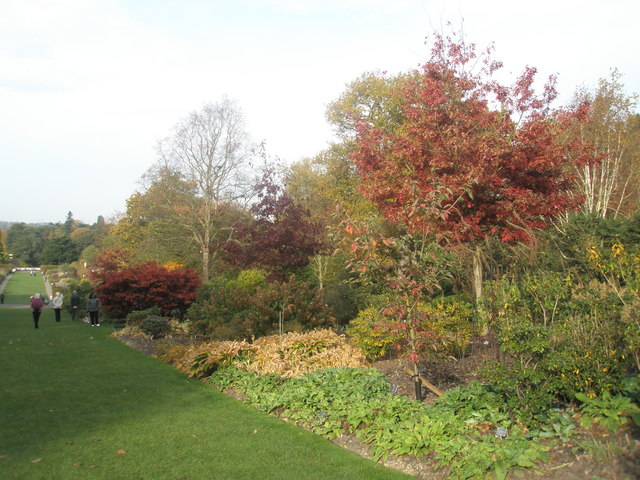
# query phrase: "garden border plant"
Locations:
[[458, 433], [469, 432]]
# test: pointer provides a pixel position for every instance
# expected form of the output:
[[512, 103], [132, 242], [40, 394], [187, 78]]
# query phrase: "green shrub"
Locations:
[[249, 280], [457, 431], [631, 388], [527, 391], [558, 337], [232, 311], [155, 327], [137, 317], [612, 412]]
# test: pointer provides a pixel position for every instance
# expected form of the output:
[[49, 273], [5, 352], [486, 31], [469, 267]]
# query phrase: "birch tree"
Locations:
[[211, 150], [610, 186]]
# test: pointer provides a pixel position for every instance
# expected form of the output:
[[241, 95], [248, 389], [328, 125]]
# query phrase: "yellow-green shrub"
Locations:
[[372, 333], [449, 318]]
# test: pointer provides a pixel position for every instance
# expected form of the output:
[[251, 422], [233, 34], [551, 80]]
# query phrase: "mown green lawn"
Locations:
[[77, 404], [22, 286]]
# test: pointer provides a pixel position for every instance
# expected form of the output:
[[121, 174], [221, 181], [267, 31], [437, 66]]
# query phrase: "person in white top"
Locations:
[[58, 300]]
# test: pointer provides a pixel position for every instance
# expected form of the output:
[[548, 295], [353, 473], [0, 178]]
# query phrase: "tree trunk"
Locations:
[[205, 255], [477, 274], [477, 282]]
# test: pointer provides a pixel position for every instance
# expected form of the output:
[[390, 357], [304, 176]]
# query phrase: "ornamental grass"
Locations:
[[201, 360], [289, 355], [294, 354]]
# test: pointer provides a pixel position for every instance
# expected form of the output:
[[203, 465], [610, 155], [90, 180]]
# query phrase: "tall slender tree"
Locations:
[[210, 149], [69, 224], [612, 186]]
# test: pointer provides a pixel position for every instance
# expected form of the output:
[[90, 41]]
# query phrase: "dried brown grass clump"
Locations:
[[203, 359], [290, 355], [294, 354], [132, 331]]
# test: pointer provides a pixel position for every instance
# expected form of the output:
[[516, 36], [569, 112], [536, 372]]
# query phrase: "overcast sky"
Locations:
[[88, 87]]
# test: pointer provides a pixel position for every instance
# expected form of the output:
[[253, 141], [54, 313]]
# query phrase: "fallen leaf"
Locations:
[[77, 464], [121, 452], [36, 460], [93, 466]]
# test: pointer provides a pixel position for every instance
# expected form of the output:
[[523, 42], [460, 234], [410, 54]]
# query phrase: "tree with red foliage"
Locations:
[[281, 237], [138, 287], [497, 159]]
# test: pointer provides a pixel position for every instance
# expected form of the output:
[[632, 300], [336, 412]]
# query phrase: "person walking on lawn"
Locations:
[[93, 306], [36, 308], [58, 300], [75, 305]]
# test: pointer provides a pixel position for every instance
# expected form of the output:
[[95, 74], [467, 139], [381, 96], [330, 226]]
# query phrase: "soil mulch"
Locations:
[[616, 457]]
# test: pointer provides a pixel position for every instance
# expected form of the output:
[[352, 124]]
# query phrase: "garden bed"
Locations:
[[589, 455]]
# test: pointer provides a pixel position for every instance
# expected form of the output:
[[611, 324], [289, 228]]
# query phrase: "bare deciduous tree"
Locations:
[[211, 150]]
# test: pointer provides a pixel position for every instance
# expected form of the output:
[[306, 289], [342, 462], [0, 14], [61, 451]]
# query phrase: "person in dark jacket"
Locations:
[[93, 306], [74, 304], [36, 308]]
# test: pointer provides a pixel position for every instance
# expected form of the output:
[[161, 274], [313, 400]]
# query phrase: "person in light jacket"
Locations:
[[57, 302], [36, 308], [93, 306]]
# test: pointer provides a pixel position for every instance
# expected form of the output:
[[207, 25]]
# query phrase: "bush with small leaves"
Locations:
[[155, 327], [138, 316]]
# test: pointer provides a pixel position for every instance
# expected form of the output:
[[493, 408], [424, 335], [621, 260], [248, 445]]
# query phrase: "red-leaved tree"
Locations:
[[281, 237], [138, 287], [501, 154]]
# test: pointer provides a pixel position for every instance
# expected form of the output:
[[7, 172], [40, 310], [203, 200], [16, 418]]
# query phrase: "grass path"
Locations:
[[77, 404], [22, 286]]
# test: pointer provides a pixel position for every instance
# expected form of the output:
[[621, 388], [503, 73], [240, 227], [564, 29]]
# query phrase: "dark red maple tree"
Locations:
[[280, 237], [123, 290], [497, 159]]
